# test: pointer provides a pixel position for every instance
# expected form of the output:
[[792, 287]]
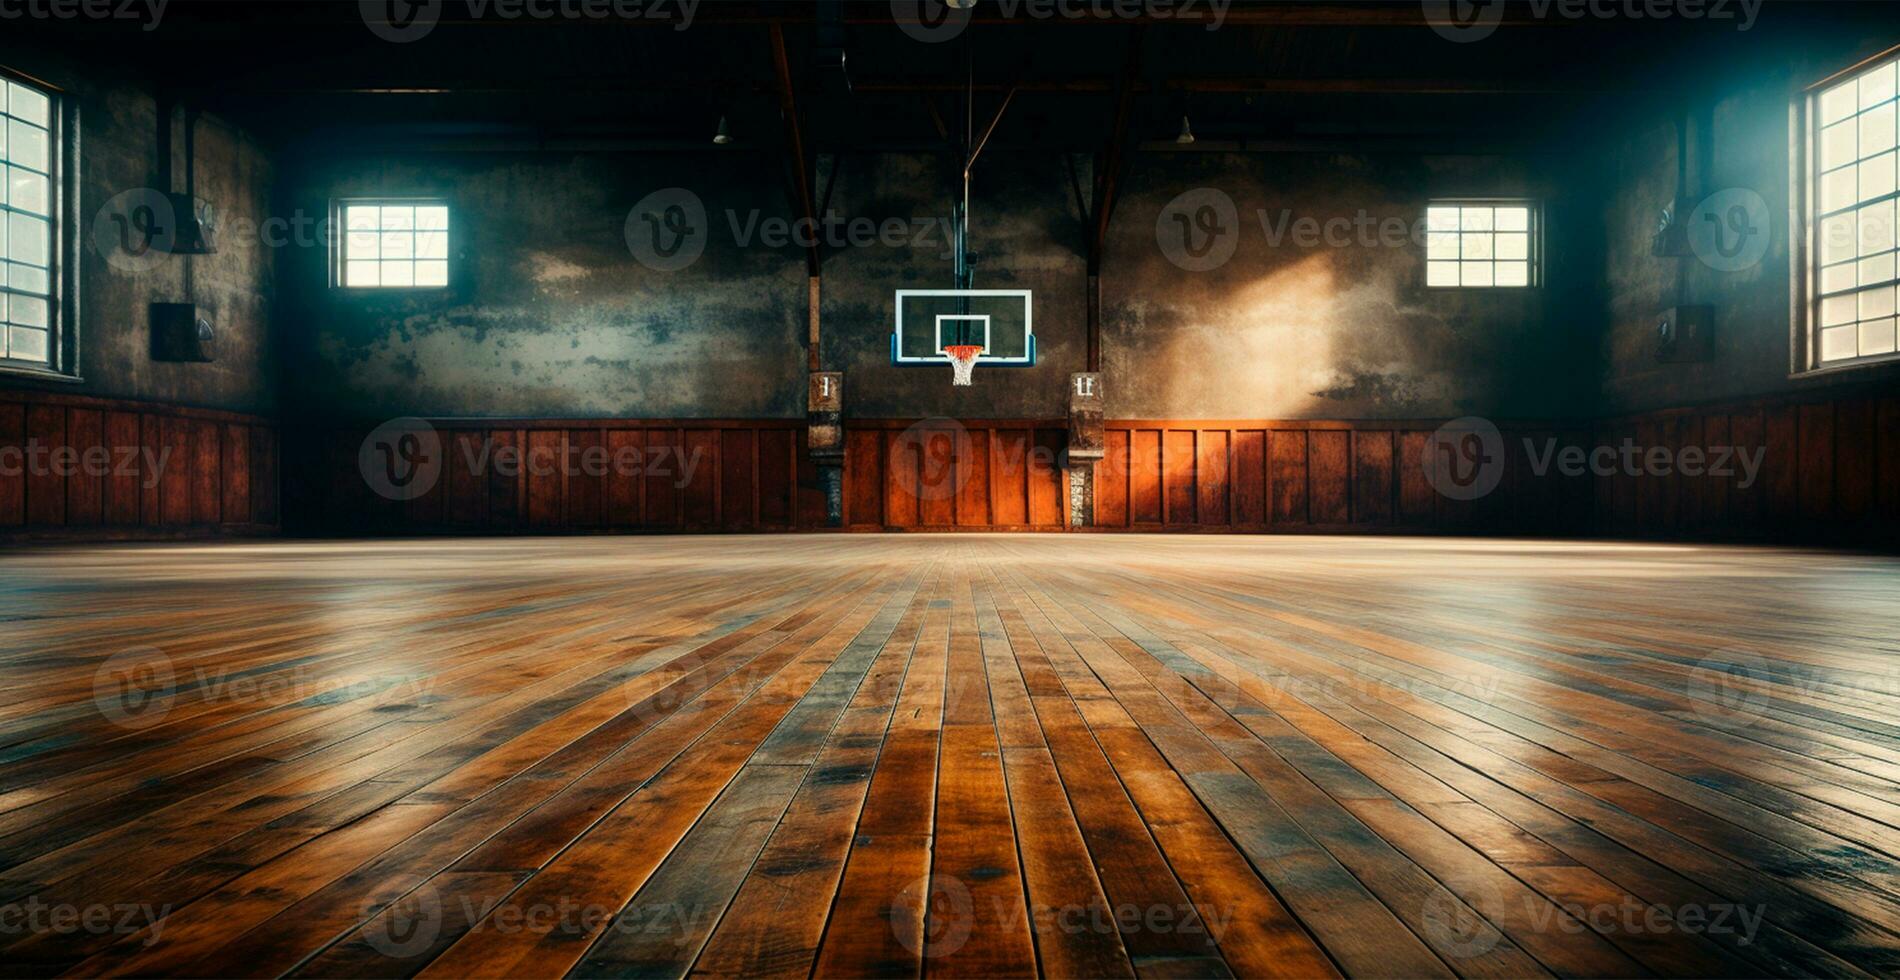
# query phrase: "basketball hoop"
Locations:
[[962, 362]]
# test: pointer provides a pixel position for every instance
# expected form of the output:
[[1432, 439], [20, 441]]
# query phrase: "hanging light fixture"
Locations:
[[1187, 134], [959, 4], [724, 135]]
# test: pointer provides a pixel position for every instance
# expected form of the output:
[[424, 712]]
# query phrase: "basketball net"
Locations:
[[962, 362]]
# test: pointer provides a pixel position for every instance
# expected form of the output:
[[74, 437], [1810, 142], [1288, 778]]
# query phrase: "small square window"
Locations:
[[1481, 245], [393, 244]]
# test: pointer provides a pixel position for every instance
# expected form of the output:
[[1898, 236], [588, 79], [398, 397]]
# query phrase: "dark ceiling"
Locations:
[[493, 74]]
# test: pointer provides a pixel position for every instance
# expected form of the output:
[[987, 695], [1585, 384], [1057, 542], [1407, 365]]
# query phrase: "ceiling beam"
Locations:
[[795, 143], [1073, 86]]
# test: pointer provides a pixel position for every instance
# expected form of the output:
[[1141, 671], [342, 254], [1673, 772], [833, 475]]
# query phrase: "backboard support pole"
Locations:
[[1087, 445]]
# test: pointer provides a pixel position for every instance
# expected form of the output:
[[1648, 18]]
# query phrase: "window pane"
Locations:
[[398, 274], [1876, 228], [1876, 86], [361, 274], [1839, 102], [1837, 239], [1441, 219], [1877, 268], [398, 245], [24, 103], [27, 344], [29, 278], [27, 311], [1835, 278], [26, 239], [1513, 246], [27, 190], [432, 245], [399, 218], [1876, 177], [1837, 145], [1837, 189], [1838, 343], [1838, 309], [1876, 302], [1513, 219], [432, 218], [1876, 130], [359, 218], [1474, 246], [1513, 273], [1474, 273], [361, 245], [1441, 273], [1474, 219], [432, 273], [1876, 337], [26, 146]]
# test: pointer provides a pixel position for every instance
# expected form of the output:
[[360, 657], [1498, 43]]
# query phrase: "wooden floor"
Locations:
[[965, 755]]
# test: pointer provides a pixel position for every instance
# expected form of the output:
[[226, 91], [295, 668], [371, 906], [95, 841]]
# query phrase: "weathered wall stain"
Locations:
[[1333, 328], [549, 314]]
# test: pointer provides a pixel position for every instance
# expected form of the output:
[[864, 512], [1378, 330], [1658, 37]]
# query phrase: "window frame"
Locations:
[[1804, 137], [339, 242], [1534, 252], [62, 299]]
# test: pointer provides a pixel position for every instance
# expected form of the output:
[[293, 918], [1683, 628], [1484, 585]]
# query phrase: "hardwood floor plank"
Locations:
[[918, 754]]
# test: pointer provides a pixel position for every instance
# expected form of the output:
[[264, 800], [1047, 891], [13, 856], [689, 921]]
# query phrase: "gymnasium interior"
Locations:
[[930, 488]]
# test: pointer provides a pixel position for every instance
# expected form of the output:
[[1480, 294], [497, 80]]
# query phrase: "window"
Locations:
[[29, 200], [1481, 244], [394, 245], [1851, 149]]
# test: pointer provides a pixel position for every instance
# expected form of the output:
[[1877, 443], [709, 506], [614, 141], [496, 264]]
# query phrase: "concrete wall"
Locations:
[[1739, 145], [549, 313], [119, 152], [1335, 322]]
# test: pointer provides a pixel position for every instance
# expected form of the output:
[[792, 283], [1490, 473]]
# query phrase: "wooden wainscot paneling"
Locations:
[[1822, 466], [85, 467], [589, 475], [1820, 463]]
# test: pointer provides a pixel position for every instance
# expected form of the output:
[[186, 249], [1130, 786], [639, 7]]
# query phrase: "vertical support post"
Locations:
[[812, 362], [1087, 445], [824, 430]]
